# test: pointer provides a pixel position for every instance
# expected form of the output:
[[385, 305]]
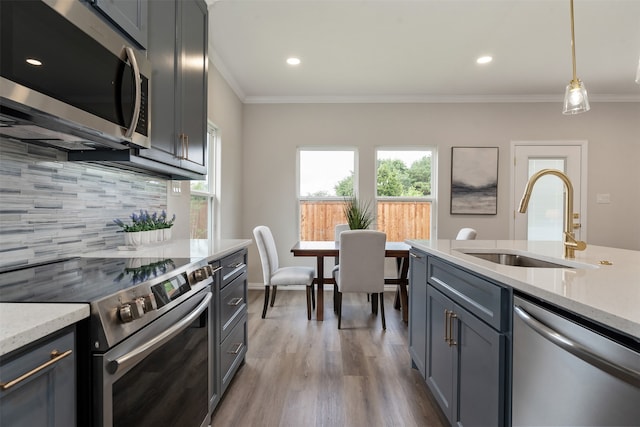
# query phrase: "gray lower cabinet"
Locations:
[[465, 323], [46, 394], [230, 330], [177, 49], [463, 363], [418, 309]]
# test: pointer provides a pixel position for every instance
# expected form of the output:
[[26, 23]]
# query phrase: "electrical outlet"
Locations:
[[603, 198], [176, 188]]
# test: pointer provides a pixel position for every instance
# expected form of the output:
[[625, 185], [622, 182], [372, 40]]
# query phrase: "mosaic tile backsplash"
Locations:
[[51, 208]]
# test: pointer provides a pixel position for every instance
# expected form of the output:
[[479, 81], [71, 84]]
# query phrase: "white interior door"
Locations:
[[544, 219]]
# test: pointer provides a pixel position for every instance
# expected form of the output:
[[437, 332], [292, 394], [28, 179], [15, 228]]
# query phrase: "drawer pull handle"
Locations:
[[237, 349], [412, 255], [235, 302], [214, 270], [56, 356]]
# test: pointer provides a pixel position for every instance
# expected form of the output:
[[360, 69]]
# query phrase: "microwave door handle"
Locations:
[[136, 108]]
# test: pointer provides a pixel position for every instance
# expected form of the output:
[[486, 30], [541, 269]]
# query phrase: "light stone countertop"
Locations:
[[606, 294], [195, 249], [23, 323]]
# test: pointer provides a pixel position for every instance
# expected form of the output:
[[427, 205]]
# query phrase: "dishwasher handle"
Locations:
[[623, 373]]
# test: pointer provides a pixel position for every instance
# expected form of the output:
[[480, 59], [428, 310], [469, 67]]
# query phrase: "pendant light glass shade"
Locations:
[[575, 96]]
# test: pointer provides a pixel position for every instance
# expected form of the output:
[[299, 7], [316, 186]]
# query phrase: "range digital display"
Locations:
[[170, 289]]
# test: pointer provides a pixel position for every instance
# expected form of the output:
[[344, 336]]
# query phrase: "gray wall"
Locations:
[[272, 132]]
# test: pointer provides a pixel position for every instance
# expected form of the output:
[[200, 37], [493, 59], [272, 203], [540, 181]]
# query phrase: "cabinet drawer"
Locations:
[[483, 298], [232, 266], [232, 351], [46, 396], [233, 303]]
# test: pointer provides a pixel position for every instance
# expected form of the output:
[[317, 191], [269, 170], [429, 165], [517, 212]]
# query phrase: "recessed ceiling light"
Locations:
[[34, 61], [484, 59], [293, 61]]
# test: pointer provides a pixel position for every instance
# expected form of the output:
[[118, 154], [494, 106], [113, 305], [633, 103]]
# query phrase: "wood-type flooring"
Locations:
[[309, 373]]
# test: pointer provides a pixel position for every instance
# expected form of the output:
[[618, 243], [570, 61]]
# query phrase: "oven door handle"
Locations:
[[143, 350]]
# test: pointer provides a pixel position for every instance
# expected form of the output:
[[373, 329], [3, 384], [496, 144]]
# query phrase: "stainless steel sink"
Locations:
[[516, 260]]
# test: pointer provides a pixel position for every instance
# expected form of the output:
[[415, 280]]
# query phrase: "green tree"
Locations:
[[344, 187], [389, 181], [420, 176]]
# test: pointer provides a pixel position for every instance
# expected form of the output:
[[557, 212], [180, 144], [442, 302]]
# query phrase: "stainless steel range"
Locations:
[[148, 338]]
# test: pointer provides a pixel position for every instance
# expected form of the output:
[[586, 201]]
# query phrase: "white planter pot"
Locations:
[[145, 237], [166, 234], [133, 238]]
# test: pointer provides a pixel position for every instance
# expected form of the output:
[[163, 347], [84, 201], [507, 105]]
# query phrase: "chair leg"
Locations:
[[374, 304], [309, 293], [313, 295], [384, 322], [335, 299], [266, 301], [339, 296], [273, 296]]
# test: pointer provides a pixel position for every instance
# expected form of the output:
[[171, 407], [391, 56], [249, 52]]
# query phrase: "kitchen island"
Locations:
[[501, 365], [605, 294]]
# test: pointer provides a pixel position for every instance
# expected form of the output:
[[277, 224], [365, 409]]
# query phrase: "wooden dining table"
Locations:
[[322, 249]]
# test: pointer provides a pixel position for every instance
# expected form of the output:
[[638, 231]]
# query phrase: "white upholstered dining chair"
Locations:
[[466, 234], [274, 275], [361, 268]]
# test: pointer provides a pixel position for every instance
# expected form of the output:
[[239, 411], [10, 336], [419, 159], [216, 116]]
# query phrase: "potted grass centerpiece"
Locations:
[[358, 214]]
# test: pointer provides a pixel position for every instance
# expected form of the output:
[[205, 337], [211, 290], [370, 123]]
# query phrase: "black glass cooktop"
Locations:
[[82, 279]]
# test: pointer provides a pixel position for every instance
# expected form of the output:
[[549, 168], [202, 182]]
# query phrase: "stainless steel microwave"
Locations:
[[70, 80]]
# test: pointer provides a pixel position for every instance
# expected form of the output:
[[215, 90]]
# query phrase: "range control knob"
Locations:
[[200, 274], [149, 303], [131, 310], [125, 313]]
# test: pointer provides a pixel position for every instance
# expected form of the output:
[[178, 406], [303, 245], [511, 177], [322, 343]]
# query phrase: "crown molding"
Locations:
[[429, 99], [226, 75]]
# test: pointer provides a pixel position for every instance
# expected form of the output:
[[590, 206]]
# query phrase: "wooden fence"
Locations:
[[400, 220]]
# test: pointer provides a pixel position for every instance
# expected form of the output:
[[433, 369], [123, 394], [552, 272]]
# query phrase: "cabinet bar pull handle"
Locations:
[[452, 316], [235, 302], [446, 326], [412, 255], [237, 349], [56, 356], [213, 271]]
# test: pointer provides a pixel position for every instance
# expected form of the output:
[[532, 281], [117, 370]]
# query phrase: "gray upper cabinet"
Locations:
[[130, 16], [177, 50]]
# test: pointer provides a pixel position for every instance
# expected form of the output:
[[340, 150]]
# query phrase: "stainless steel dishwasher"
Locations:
[[565, 374]]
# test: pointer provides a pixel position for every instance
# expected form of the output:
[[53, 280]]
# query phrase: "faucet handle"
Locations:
[[571, 241]]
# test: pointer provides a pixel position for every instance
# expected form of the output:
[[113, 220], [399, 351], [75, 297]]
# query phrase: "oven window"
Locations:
[[170, 386]]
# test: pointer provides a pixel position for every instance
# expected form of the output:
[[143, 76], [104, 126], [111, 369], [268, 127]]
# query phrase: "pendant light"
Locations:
[[575, 96]]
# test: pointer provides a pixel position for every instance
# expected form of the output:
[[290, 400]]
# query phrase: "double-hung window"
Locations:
[[204, 198], [326, 176], [405, 192]]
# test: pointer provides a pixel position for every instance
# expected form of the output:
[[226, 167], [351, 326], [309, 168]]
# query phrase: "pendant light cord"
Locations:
[[573, 45]]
